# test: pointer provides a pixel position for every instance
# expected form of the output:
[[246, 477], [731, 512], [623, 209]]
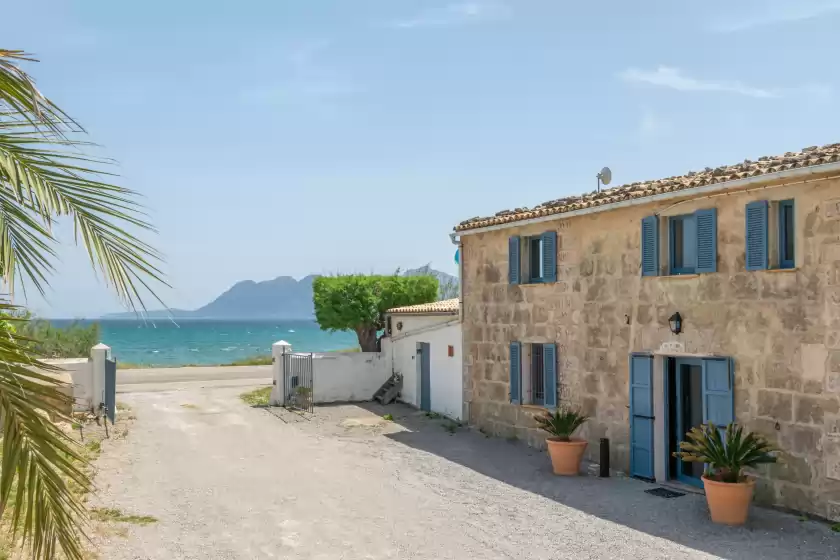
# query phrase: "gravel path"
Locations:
[[229, 481]]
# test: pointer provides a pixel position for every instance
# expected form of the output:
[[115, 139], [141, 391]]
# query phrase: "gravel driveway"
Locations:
[[229, 481]]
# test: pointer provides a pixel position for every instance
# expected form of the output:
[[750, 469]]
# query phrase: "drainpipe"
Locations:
[[456, 240]]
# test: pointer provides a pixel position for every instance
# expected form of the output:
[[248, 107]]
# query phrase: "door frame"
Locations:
[[680, 429], [424, 367]]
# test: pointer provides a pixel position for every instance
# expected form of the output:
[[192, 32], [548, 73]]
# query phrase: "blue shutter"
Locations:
[[650, 246], [706, 223], [641, 416], [514, 262], [718, 392], [756, 235], [549, 256], [550, 374], [515, 367]]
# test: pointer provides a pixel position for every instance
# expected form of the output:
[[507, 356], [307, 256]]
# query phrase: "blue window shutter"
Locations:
[[549, 256], [515, 371], [756, 235], [718, 392], [650, 246], [514, 264], [706, 223], [641, 416], [550, 374]]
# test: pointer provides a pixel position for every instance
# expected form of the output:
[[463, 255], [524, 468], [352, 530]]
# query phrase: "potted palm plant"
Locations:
[[728, 490], [565, 452]]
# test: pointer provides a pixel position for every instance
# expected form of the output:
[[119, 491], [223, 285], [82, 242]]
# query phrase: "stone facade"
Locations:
[[782, 329]]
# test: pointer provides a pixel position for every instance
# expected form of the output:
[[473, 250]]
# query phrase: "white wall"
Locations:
[[348, 376], [440, 331], [80, 372]]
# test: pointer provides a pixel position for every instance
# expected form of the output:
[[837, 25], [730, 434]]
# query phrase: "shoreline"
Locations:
[[252, 361]]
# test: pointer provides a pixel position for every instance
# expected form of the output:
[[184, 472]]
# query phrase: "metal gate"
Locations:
[[297, 381], [111, 389]]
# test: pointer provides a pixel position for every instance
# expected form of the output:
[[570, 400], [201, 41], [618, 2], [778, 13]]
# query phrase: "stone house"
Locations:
[[576, 301]]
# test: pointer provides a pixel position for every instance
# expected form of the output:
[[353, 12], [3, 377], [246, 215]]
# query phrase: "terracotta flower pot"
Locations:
[[565, 455], [729, 503]]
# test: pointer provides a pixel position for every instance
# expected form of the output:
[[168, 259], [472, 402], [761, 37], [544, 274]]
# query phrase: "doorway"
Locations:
[[685, 411], [424, 365]]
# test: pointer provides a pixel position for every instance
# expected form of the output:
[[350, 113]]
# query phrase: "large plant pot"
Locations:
[[729, 503], [565, 455]]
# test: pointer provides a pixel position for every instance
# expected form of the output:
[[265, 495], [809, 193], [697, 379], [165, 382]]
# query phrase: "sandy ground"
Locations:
[[227, 481]]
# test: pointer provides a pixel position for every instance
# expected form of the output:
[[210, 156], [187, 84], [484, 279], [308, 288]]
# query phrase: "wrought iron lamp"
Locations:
[[675, 321]]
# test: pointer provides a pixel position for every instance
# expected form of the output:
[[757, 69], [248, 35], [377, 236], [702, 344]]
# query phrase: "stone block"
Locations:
[[797, 497], [834, 361], [775, 404], [802, 440], [765, 492], [832, 468], [812, 410], [744, 286], [792, 469], [834, 511], [813, 359]]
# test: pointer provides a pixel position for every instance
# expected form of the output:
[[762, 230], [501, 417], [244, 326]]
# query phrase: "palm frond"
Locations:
[[39, 461], [47, 175]]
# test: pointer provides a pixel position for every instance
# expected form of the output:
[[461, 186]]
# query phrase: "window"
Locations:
[[533, 374], [770, 235], [683, 244], [691, 240], [537, 374], [786, 235], [533, 259]]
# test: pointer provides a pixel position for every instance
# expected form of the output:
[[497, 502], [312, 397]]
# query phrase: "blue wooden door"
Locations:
[[718, 392], [111, 389], [425, 377], [641, 416]]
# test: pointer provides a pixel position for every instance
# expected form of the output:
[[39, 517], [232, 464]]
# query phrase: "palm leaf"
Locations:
[[45, 175]]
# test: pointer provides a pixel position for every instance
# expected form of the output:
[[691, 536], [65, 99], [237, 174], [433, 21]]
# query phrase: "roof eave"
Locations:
[[694, 191]]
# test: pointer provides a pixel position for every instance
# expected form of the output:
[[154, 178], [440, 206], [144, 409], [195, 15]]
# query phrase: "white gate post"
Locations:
[[278, 370], [98, 355]]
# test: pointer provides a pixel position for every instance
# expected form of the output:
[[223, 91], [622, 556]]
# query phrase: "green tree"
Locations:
[[358, 303], [46, 175]]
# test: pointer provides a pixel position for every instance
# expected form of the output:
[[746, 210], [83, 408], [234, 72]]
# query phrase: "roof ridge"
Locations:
[[807, 157]]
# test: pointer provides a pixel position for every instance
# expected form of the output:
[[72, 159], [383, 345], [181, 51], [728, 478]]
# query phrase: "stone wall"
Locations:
[[781, 327]]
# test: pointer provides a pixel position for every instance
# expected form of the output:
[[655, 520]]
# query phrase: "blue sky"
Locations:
[[292, 137]]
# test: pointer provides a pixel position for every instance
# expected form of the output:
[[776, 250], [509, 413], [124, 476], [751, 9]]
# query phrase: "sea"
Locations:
[[207, 342]]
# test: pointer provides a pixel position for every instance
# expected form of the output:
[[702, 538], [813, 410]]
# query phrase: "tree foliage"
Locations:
[[45, 174], [73, 340], [359, 302]]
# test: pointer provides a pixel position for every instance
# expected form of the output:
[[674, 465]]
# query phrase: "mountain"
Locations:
[[448, 283], [281, 298]]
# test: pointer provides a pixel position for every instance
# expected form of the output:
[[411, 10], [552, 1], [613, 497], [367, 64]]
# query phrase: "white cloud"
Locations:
[[673, 78], [460, 13], [779, 12]]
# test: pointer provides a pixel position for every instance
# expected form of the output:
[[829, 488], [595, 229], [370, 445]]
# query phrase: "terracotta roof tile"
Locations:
[[445, 306], [808, 157]]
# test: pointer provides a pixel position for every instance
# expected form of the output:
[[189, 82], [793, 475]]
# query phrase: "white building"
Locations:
[[424, 343]]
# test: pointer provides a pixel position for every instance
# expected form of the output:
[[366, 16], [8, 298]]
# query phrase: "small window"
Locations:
[[537, 374], [787, 239], [535, 259], [683, 244]]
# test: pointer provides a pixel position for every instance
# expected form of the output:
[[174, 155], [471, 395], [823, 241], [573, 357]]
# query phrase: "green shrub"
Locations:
[[726, 456], [563, 423]]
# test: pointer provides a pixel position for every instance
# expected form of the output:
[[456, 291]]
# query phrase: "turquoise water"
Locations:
[[164, 343]]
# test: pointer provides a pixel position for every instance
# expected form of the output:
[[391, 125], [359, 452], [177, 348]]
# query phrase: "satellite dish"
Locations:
[[604, 177]]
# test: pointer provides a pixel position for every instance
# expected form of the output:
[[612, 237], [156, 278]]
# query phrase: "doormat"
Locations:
[[664, 493]]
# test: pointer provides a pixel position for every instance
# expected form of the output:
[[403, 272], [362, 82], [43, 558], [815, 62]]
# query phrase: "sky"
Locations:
[[284, 138]]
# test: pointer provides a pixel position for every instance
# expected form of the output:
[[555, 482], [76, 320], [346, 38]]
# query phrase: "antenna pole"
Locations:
[[598, 176]]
